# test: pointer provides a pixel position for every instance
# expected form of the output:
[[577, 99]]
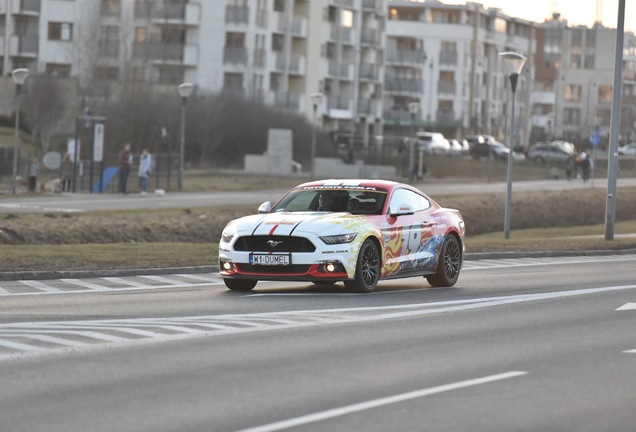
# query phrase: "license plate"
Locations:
[[270, 259]]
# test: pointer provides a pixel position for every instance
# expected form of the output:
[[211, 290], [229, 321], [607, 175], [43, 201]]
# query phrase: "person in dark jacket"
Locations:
[[125, 161]]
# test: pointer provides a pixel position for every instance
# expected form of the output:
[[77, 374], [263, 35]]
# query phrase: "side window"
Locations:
[[403, 196]]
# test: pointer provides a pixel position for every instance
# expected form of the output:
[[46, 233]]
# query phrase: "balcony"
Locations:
[[446, 118], [108, 49], [395, 85], [370, 4], [262, 18], [176, 53], [366, 106], [110, 9], [289, 101], [237, 14], [297, 27], [295, 64], [24, 46], [188, 14], [26, 7], [543, 98], [402, 56], [339, 103], [341, 34], [448, 58], [340, 70], [235, 55], [398, 116], [446, 87], [369, 71], [344, 3], [370, 37]]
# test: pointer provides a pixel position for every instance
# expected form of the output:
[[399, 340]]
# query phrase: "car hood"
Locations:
[[291, 223]]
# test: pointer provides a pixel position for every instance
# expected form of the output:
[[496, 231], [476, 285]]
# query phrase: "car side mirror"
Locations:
[[266, 207], [402, 210]]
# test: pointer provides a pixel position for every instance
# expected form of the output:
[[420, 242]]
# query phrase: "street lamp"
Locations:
[[19, 76], [316, 99], [184, 90], [414, 107], [513, 63]]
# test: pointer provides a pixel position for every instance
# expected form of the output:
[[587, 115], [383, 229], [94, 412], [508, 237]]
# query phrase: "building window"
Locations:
[[605, 93], [141, 34], [571, 116], [60, 31], [58, 70], [589, 61], [106, 72], [233, 81], [573, 92]]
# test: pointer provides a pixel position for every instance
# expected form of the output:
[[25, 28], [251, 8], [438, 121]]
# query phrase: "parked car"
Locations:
[[352, 231], [459, 147], [483, 145], [628, 149], [433, 143], [553, 152]]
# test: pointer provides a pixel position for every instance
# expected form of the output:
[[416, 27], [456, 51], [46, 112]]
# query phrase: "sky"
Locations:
[[574, 11]]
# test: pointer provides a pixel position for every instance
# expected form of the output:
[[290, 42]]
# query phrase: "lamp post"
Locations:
[[514, 63], [316, 99], [19, 76], [414, 107], [184, 90]]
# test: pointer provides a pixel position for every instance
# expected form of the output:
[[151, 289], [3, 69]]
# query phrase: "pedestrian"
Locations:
[[586, 166], [32, 173], [145, 165], [125, 161], [67, 173], [569, 168]]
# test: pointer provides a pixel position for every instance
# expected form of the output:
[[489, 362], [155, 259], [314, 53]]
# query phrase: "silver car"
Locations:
[[542, 153]]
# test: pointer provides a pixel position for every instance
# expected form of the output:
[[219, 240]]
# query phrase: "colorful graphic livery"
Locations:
[[354, 231]]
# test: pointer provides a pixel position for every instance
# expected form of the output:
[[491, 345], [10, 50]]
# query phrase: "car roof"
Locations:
[[351, 183]]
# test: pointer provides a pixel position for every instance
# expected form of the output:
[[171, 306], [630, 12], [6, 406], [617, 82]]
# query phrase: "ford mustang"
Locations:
[[353, 231]]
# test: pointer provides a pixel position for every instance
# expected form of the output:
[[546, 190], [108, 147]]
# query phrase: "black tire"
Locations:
[[367, 269], [449, 264], [240, 284]]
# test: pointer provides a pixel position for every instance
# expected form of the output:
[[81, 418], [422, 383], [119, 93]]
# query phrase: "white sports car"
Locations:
[[354, 231]]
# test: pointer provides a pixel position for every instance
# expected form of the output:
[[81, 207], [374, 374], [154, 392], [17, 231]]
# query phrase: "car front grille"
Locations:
[[297, 269], [273, 244]]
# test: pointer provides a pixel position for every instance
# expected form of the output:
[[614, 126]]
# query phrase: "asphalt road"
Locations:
[[517, 345], [95, 202]]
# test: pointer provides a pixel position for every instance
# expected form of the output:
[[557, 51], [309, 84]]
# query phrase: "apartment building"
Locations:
[[277, 51], [573, 86], [446, 58]]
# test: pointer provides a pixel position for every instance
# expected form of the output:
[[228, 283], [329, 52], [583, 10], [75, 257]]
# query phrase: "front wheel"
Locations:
[[367, 269], [450, 262], [240, 284]]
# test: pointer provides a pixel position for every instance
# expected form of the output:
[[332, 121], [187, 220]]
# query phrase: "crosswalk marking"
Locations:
[[162, 279], [124, 281], [85, 284], [40, 286]]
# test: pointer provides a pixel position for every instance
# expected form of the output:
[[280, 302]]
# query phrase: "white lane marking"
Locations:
[[162, 280], [627, 306], [488, 264], [20, 346], [124, 281], [196, 277], [376, 403], [40, 286], [4, 292], [86, 284], [135, 288], [630, 351]]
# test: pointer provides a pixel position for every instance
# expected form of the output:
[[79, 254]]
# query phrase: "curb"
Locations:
[[90, 274]]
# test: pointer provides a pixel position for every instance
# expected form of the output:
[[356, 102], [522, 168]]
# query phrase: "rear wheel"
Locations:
[[367, 269], [450, 262], [240, 284]]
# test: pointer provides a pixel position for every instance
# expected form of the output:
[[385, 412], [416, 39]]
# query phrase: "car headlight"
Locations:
[[338, 239], [228, 234]]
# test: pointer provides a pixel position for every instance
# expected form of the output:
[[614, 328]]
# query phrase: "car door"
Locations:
[[407, 246]]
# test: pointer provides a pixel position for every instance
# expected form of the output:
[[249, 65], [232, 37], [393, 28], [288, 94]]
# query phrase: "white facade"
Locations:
[[462, 83]]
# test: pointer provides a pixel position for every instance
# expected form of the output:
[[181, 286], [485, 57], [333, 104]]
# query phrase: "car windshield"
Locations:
[[355, 200]]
